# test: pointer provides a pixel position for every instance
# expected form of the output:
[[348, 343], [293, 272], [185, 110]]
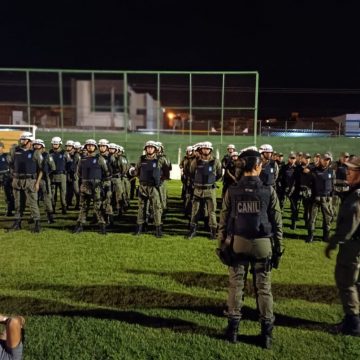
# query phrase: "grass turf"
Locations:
[[118, 296]]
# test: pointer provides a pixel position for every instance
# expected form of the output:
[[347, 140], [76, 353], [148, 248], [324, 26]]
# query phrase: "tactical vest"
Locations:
[[46, 167], [341, 171], [90, 168], [149, 172], [323, 181], [250, 200], [267, 175], [69, 165], [205, 173], [24, 163], [289, 175], [60, 160], [4, 166]]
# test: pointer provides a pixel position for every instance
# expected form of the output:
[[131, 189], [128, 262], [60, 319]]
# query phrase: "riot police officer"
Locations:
[[347, 235], [187, 189], [26, 165], [229, 174], [5, 181], [148, 170], [270, 168], [205, 171], [92, 169], [250, 217], [58, 177], [227, 157], [45, 184]]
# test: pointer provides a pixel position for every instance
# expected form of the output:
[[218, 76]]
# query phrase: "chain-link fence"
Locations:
[[129, 102]]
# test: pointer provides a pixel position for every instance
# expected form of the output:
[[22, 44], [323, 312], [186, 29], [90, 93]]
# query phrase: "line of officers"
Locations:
[[315, 182], [93, 173]]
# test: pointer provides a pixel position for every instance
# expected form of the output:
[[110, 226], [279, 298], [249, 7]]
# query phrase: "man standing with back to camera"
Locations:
[[347, 235], [251, 225]]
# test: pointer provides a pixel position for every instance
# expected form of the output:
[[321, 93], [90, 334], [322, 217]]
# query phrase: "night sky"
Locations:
[[293, 44]]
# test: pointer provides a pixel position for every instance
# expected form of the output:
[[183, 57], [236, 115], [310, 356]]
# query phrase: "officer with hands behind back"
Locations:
[[347, 235], [250, 230]]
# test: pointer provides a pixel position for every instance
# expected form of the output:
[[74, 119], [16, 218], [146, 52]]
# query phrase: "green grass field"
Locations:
[[118, 296]]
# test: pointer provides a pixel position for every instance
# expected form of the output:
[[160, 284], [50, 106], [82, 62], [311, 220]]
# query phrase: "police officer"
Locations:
[[70, 172], [227, 157], [148, 170], [249, 218], [186, 191], [347, 235], [229, 174], [58, 177], [270, 168], [340, 185], [304, 171], [288, 187], [5, 181], [26, 165], [205, 171], [74, 164], [322, 189], [45, 183], [92, 169]]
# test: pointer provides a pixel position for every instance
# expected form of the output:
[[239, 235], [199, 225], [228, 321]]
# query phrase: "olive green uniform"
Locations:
[[45, 183], [25, 183], [347, 267], [91, 190], [148, 191], [205, 194], [256, 252]]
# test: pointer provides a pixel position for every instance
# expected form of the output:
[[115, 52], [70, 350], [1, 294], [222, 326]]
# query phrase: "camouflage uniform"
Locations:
[[5, 181]]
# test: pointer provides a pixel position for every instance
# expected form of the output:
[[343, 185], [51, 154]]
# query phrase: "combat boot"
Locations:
[[231, 332], [31, 220], [78, 228], [63, 210], [158, 231], [310, 237], [50, 218], [326, 235], [351, 325], [192, 231], [213, 233], [293, 225], [102, 229], [37, 227], [139, 229], [16, 225], [266, 334]]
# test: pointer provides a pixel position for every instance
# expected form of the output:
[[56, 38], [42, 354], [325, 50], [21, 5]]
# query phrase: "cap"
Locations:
[[299, 153], [354, 163], [344, 153], [307, 156], [292, 155], [280, 154], [250, 153], [317, 155]]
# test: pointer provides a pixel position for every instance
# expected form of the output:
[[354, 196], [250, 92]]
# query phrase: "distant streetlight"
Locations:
[[170, 115]]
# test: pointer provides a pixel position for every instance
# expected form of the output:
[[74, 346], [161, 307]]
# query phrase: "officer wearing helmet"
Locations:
[[187, 187], [92, 170], [227, 157], [119, 168], [322, 187], [58, 177], [148, 170], [165, 175], [45, 184], [229, 174], [70, 172], [26, 165], [270, 168], [6, 180], [75, 163], [204, 171], [347, 236], [250, 229], [129, 186]]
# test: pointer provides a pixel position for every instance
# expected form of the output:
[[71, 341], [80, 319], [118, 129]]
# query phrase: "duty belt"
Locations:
[[118, 176], [25, 176], [205, 187], [59, 172]]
